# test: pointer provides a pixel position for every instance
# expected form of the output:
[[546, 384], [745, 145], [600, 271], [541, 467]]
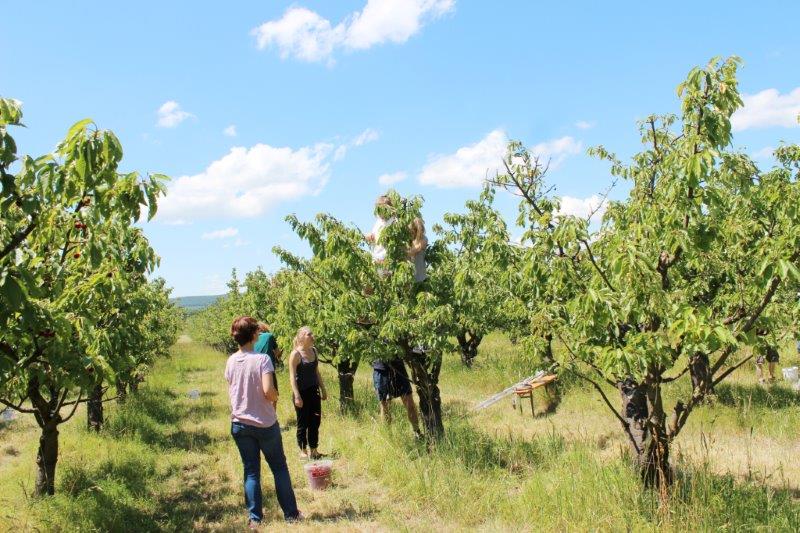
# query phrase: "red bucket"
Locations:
[[319, 474]]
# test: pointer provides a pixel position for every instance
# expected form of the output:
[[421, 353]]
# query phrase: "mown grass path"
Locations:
[[166, 462]]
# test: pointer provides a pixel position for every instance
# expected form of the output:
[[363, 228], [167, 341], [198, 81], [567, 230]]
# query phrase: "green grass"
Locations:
[[165, 462]]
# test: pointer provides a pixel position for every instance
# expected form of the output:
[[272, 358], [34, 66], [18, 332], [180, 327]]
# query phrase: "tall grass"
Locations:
[[165, 462]]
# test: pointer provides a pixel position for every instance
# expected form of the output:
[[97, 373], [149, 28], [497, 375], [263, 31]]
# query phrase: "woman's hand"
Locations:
[[298, 401], [323, 394]]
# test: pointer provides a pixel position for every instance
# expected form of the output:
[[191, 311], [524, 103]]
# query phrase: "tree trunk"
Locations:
[[346, 371], [94, 409], [553, 390], [46, 460], [425, 370], [643, 412], [122, 390], [700, 371], [469, 347]]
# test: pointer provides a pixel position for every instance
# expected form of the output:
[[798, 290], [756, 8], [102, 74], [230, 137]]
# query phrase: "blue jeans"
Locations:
[[252, 441]]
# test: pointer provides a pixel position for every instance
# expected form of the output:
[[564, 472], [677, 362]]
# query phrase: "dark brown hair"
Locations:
[[243, 329]]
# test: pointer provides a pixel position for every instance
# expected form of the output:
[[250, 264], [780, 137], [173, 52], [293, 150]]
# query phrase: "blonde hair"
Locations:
[[298, 338], [418, 237]]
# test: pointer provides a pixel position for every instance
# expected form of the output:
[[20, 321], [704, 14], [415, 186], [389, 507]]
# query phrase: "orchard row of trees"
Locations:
[[78, 314], [699, 261]]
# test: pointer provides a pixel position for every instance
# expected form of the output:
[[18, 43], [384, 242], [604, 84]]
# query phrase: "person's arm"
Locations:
[[294, 360], [270, 393], [267, 384], [323, 394]]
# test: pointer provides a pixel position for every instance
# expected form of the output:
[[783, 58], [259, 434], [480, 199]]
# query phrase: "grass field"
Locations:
[[166, 462]]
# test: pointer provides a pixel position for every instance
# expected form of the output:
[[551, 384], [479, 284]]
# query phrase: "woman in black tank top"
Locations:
[[308, 390]]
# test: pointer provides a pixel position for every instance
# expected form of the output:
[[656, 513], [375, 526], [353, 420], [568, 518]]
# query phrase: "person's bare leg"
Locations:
[[411, 410], [760, 372], [771, 367], [386, 415]]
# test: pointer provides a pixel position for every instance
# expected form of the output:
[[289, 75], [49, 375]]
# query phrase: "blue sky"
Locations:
[[260, 109]]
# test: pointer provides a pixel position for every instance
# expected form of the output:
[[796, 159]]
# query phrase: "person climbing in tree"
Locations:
[[416, 249], [769, 355], [254, 423], [267, 345], [309, 391], [383, 207], [416, 252], [390, 379]]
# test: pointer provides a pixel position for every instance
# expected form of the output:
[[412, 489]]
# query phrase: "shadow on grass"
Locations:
[[774, 397], [479, 451], [128, 493], [154, 415], [729, 504], [199, 499], [345, 513]]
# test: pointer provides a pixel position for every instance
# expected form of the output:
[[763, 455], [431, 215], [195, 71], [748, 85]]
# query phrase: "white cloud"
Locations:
[[170, 114], [305, 35], [764, 153], [390, 179], [230, 131], [221, 234], [584, 125], [556, 150], [340, 152], [583, 207], [392, 20], [248, 182], [768, 108], [471, 164], [366, 136]]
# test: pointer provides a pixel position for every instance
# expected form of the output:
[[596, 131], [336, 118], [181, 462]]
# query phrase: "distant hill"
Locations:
[[195, 303]]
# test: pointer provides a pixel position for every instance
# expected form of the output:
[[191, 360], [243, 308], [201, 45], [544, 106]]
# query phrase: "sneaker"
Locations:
[[303, 454], [253, 524], [299, 518]]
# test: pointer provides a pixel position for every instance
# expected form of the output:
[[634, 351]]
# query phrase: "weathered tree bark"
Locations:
[[553, 390], [643, 412], [469, 342], [46, 459], [700, 371], [122, 390], [346, 371], [94, 409], [425, 374]]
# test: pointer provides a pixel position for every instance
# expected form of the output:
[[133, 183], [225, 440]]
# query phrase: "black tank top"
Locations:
[[306, 373]]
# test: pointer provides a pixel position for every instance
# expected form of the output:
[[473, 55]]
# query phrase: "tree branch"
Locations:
[[74, 408], [596, 266], [622, 421], [17, 239], [17, 407], [674, 378], [730, 370]]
